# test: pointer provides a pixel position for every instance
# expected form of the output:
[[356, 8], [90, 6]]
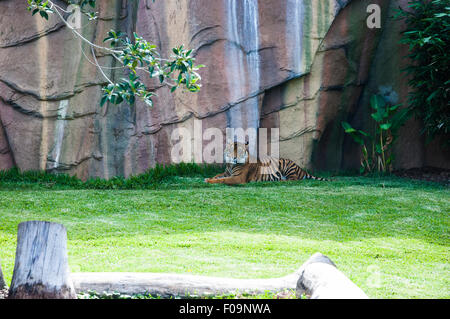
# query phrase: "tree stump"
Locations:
[[2, 280], [41, 269], [320, 279]]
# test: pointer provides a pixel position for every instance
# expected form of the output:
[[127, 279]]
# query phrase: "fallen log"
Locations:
[[41, 268], [320, 279], [176, 285]]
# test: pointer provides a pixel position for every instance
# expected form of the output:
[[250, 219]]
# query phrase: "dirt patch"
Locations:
[[431, 174]]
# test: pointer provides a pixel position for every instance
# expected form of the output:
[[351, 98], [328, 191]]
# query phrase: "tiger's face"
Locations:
[[236, 153]]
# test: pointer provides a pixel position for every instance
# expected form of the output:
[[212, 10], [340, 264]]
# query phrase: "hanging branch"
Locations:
[[136, 55]]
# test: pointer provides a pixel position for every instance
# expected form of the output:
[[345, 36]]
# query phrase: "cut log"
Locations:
[[2, 280], [320, 279], [41, 269], [174, 285]]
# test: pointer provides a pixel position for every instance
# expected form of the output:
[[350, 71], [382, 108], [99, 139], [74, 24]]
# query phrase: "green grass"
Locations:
[[396, 227], [154, 178]]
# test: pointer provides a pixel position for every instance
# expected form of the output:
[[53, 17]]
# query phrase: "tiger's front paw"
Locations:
[[207, 180]]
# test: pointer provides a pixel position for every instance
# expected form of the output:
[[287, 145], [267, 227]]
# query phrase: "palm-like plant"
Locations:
[[376, 148]]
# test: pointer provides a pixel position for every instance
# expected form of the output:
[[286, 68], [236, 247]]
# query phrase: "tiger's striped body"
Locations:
[[284, 170], [264, 170]]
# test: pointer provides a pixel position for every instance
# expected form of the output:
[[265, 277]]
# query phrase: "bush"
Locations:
[[428, 38]]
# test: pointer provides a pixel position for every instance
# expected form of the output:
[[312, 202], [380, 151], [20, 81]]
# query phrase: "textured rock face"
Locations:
[[386, 78], [299, 65]]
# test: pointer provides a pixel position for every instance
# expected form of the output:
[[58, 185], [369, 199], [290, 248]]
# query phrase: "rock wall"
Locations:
[[386, 78], [299, 65]]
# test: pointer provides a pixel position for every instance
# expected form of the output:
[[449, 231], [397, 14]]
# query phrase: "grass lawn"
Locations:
[[389, 235]]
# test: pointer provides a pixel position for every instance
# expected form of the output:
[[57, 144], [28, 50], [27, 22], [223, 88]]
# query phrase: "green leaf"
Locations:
[[377, 117], [364, 134], [400, 118], [44, 14], [358, 139], [432, 95], [103, 100], [394, 107], [350, 130], [377, 102], [149, 102], [345, 125], [378, 149]]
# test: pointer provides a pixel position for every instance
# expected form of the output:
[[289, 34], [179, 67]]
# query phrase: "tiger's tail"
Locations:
[[291, 171], [309, 176]]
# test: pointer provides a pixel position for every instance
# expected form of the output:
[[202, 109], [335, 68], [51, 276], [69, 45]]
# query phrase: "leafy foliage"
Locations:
[[137, 56], [377, 148], [428, 38], [40, 6]]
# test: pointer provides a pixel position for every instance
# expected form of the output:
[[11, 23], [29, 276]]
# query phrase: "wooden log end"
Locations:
[[320, 279], [41, 267]]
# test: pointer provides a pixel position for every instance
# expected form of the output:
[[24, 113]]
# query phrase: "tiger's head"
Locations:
[[236, 153]]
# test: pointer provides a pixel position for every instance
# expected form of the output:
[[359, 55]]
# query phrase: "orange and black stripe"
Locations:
[[269, 171], [292, 172]]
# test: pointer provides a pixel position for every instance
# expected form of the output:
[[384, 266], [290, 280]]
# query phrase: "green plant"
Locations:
[[376, 148], [428, 38], [136, 56]]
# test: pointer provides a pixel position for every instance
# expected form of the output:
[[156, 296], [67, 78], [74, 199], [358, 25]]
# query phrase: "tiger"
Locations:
[[240, 169]]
